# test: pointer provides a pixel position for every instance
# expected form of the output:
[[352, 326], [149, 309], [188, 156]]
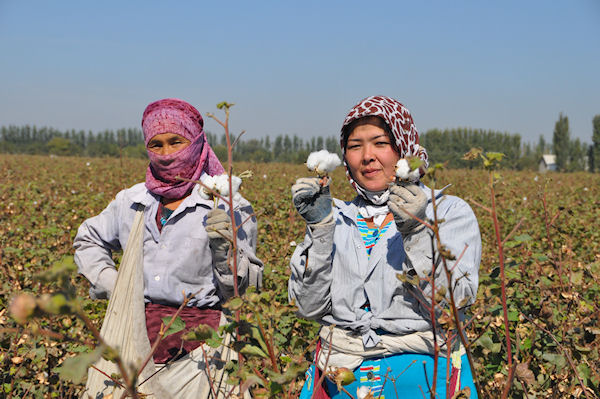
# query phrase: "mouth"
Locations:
[[370, 172]]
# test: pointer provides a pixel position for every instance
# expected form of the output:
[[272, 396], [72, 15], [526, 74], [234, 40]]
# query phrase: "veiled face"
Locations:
[[370, 156], [167, 143]]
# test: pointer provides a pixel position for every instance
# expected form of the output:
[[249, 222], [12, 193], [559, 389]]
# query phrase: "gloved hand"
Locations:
[[409, 197], [312, 200], [218, 226]]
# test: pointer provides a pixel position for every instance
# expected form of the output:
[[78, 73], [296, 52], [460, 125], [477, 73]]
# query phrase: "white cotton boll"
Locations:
[[208, 181], [222, 184], [362, 391], [322, 162], [403, 171]]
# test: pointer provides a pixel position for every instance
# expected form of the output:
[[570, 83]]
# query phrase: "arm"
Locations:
[[459, 233], [310, 281], [249, 267], [96, 238]]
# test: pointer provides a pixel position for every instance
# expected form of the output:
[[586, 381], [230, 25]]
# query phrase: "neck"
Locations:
[[172, 203]]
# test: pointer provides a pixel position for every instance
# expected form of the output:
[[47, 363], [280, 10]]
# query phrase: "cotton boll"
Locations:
[[322, 162], [403, 171], [208, 181], [314, 158], [222, 184], [362, 391]]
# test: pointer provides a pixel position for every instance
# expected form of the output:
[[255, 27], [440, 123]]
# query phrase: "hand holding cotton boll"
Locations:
[[219, 231], [407, 200], [311, 195]]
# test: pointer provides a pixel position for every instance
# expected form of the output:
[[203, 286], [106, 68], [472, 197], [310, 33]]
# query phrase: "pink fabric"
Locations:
[[400, 121], [172, 344], [176, 116]]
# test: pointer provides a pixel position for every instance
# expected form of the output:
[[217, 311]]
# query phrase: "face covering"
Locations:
[[176, 116]]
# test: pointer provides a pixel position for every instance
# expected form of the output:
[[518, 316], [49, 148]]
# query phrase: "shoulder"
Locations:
[[347, 209], [137, 193], [448, 206]]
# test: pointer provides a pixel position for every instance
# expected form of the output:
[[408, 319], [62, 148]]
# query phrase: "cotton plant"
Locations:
[[323, 163], [219, 184], [407, 169]]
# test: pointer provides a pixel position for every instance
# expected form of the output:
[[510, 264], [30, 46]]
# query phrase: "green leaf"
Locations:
[[577, 277], [486, 342], [584, 371], [251, 350], [523, 238], [74, 369], [178, 325], [200, 333], [235, 303], [555, 358]]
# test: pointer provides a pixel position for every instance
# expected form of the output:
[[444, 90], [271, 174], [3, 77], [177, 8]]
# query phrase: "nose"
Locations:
[[368, 155]]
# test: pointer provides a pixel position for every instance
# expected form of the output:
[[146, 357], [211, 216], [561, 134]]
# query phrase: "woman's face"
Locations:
[[167, 143], [371, 157]]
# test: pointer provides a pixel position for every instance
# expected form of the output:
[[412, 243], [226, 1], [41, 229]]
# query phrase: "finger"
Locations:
[[396, 210], [413, 189], [305, 193], [219, 218], [401, 192]]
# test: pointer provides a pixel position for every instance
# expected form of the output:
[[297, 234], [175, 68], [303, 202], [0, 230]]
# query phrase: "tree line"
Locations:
[[448, 145]]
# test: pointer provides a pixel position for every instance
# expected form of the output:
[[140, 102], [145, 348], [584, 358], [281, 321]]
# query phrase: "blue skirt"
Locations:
[[398, 376]]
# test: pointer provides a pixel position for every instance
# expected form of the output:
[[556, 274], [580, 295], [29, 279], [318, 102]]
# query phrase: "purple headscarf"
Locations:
[[176, 116]]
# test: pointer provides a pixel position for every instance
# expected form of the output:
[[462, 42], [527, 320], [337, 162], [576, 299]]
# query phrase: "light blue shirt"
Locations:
[[333, 277], [178, 260]]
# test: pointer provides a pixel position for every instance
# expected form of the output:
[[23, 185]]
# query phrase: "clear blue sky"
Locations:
[[297, 67]]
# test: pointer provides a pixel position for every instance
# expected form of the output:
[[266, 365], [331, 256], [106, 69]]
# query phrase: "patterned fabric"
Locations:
[[176, 116], [173, 346], [400, 122], [402, 375], [370, 235]]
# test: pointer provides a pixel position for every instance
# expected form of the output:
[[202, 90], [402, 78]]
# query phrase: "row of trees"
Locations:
[[442, 145], [572, 155]]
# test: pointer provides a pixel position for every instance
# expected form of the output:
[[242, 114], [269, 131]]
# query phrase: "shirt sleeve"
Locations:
[[96, 238], [311, 272], [249, 268], [459, 234]]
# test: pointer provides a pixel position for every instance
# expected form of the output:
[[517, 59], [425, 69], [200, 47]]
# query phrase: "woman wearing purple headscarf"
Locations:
[[184, 249]]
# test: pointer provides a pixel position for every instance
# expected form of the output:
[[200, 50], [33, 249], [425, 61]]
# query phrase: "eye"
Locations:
[[352, 146]]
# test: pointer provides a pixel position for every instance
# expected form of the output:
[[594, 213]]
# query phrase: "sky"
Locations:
[[297, 67]]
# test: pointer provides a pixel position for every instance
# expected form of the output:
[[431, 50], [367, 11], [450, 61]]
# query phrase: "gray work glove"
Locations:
[[409, 197], [312, 200], [218, 224]]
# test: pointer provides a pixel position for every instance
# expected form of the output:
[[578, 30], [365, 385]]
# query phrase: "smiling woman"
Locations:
[[370, 155], [345, 272]]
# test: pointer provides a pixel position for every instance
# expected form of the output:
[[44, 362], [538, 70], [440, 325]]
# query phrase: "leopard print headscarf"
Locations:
[[400, 122]]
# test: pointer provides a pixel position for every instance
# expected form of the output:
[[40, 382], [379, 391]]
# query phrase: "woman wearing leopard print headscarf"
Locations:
[[345, 272]]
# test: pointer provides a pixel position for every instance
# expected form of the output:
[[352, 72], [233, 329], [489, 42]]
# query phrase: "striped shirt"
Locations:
[[370, 235]]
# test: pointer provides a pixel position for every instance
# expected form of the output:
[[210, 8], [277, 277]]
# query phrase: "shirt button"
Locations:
[[322, 240], [163, 246], [156, 278], [408, 248]]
